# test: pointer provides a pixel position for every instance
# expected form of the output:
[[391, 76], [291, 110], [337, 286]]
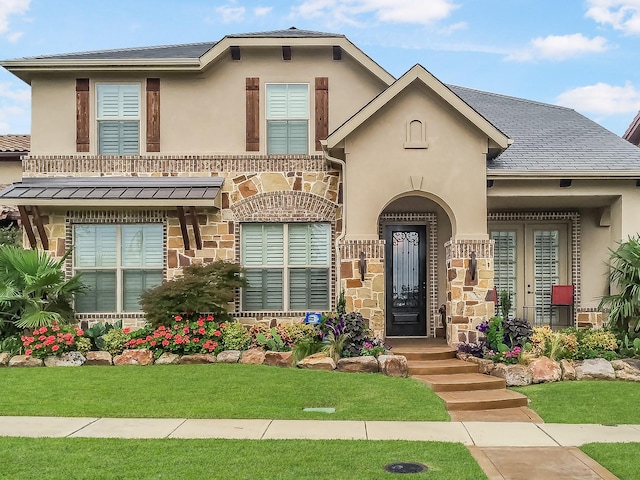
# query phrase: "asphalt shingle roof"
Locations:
[[549, 137], [14, 143]]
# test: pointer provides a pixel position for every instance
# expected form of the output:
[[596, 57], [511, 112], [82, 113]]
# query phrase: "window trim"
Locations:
[[287, 119], [118, 268], [287, 266], [99, 119]]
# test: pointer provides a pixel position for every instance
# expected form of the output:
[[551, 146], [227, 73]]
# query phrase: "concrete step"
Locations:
[[441, 367], [483, 399], [461, 382], [431, 353]]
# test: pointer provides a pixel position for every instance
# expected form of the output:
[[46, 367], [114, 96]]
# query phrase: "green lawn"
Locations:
[[213, 391], [597, 401], [113, 459], [621, 459]]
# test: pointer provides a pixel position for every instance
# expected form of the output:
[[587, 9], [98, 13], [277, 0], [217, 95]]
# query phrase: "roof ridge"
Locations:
[[510, 97], [124, 49]]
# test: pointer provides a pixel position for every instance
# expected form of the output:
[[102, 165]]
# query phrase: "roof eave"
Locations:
[[506, 174]]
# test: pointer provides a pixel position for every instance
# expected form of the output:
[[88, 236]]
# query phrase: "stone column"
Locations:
[[469, 294], [364, 296]]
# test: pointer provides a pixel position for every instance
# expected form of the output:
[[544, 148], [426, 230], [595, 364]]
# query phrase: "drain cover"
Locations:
[[321, 409], [403, 467]]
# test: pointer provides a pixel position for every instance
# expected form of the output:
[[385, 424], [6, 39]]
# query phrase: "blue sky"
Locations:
[[583, 54]]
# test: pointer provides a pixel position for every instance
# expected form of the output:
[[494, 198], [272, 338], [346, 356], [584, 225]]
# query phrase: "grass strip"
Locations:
[[621, 459], [214, 391], [112, 459], [586, 401]]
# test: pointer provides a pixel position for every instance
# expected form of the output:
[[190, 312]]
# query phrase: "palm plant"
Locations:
[[33, 289], [624, 277]]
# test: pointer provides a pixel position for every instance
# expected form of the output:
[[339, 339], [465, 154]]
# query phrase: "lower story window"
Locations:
[[117, 263], [287, 266]]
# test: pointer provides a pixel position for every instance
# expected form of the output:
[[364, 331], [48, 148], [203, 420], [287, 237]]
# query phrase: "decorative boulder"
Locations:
[[514, 375], [484, 364], [229, 356], [254, 356], [544, 370], [317, 361], [278, 359], [25, 361], [568, 370], [627, 369], [595, 369], [197, 359], [4, 359], [366, 364], [99, 358], [393, 365], [168, 358], [69, 359], [142, 356]]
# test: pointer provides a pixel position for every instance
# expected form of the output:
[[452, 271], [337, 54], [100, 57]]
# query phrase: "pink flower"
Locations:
[[126, 330], [165, 343], [28, 351], [55, 348], [209, 318], [217, 333], [79, 332], [178, 318]]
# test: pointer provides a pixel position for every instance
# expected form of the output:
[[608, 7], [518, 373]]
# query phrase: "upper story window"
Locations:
[[287, 118], [118, 119]]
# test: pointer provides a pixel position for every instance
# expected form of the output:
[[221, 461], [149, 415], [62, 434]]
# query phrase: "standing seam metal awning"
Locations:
[[184, 193]]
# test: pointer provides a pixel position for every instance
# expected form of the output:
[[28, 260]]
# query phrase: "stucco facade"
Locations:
[[430, 202]]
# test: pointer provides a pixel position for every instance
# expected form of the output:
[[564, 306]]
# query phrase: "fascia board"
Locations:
[[505, 174]]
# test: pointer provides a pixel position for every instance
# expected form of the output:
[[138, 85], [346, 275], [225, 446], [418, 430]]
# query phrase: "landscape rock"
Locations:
[[4, 359], [168, 358], [68, 359], [142, 356], [317, 361], [484, 364], [253, 356], [25, 361], [197, 359], [568, 370], [595, 369], [393, 365], [366, 364], [627, 369], [514, 375], [229, 356], [99, 358], [278, 359], [544, 370]]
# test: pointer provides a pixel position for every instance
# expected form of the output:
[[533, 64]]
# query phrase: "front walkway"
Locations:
[[504, 450]]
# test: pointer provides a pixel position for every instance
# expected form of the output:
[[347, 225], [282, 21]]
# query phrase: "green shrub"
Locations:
[[516, 331], [115, 340], [52, 340], [301, 331], [305, 347], [96, 331], [83, 345], [12, 345], [202, 288], [260, 334], [235, 336], [10, 236]]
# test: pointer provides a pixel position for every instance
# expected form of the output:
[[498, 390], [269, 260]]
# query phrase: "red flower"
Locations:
[[42, 337], [201, 322], [79, 332], [162, 328], [202, 331], [178, 318], [165, 343], [55, 328], [55, 348], [126, 330], [215, 344], [217, 333], [28, 351], [38, 346], [223, 325], [152, 343], [168, 335], [209, 318], [195, 340]]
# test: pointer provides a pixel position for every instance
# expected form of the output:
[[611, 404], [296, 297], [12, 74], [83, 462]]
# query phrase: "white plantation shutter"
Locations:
[[95, 246], [504, 264], [265, 290], [297, 135], [142, 245], [309, 243], [101, 292], [277, 136], [298, 101], [262, 244], [287, 118], [309, 289], [277, 101], [118, 119], [118, 101], [546, 264], [134, 283]]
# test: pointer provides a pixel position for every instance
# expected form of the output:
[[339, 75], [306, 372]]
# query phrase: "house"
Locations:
[[297, 155], [633, 131], [12, 149]]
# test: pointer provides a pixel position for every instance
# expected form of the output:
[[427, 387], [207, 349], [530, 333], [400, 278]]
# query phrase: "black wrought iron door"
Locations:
[[406, 286]]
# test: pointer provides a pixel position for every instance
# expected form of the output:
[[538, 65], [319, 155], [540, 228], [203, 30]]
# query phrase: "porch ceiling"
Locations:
[[549, 202]]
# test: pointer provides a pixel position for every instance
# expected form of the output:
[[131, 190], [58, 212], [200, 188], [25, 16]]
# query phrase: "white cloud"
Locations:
[[389, 11], [8, 8], [602, 99], [622, 15], [230, 14], [262, 11], [14, 107], [454, 27], [21, 95], [559, 47]]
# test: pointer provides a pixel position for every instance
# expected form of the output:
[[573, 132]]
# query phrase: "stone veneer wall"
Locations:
[[281, 188], [467, 304], [364, 296]]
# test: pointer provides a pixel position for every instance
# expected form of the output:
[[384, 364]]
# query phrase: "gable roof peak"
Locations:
[[291, 32]]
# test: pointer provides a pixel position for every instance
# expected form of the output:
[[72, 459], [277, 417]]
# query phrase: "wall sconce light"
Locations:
[[362, 266], [473, 265]]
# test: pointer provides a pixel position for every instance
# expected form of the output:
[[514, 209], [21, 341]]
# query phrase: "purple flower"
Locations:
[[483, 327]]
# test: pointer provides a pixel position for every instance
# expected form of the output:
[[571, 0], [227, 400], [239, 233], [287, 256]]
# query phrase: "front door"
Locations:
[[406, 281]]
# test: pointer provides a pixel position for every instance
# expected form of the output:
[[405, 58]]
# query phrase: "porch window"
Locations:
[[287, 118], [118, 119], [118, 263], [287, 266]]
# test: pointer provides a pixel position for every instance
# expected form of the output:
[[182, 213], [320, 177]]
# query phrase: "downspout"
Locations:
[[340, 237]]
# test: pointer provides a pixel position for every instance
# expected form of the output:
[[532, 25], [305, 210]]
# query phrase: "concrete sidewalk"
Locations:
[[504, 450], [481, 434]]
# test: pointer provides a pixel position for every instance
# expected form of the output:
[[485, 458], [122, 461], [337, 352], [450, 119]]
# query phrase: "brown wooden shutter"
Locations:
[[82, 114], [322, 110], [253, 114], [153, 114]]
